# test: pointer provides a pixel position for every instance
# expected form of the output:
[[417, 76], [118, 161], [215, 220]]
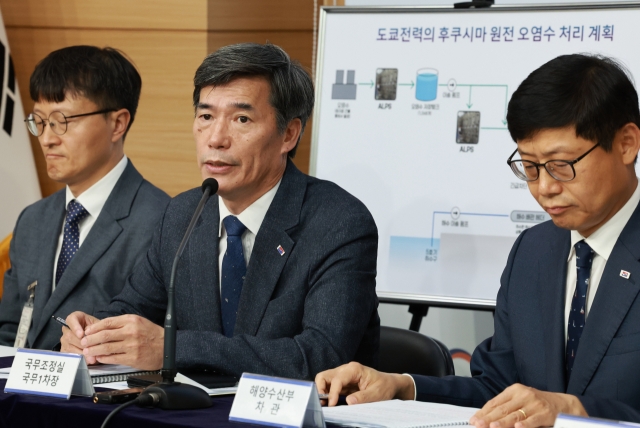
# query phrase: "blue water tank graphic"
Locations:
[[427, 84]]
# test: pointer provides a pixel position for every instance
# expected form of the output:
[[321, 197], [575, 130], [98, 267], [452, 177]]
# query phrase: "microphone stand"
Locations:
[[168, 394]]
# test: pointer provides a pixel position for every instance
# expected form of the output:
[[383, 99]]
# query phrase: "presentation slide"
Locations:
[[411, 119]]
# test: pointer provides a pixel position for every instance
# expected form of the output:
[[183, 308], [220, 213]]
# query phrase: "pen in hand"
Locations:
[[60, 321]]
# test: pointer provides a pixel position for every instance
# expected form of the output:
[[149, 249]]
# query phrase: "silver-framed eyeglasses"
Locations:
[[57, 121], [561, 170]]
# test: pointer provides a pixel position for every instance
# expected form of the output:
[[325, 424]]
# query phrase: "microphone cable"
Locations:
[[142, 400]]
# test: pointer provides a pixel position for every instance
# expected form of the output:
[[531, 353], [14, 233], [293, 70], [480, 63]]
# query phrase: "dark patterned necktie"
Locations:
[[71, 238], [584, 259], [234, 270]]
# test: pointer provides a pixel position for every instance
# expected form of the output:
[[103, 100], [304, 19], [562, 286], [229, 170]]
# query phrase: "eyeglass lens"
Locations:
[[528, 171], [57, 123]]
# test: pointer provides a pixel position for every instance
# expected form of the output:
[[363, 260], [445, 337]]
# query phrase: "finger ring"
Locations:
[[523, 413]]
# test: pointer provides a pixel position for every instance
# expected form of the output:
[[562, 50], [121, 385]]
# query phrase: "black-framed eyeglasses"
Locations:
[[57, 121], [561, 170]]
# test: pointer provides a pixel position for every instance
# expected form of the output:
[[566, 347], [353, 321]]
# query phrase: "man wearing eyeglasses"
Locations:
[[76, 247], [567, 320]]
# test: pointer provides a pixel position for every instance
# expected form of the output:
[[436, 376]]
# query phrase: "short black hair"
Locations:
[[291, 87], [591, 92], [102, 75]]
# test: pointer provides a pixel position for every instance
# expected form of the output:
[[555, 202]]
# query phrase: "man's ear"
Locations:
[[627, 140], [291, 135], [121, 119]]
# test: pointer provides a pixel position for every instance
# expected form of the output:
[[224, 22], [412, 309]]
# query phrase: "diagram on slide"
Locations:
[[455, 228], [427, 84], [468, 127], [453, 87], [467, 121], [344, 91], [386, 83]]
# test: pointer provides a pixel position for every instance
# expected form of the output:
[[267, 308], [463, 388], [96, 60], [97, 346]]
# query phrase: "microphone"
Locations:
[[169, 394]]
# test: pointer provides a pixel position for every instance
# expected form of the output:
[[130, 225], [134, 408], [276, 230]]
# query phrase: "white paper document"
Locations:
[[398, 414], [7, 351], [114, 385]]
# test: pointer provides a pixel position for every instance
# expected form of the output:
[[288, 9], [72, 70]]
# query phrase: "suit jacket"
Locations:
[[312, 308], [528, 346], [118, 239]]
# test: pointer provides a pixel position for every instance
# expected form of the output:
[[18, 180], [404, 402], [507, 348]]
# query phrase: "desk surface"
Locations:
[[19, 410]]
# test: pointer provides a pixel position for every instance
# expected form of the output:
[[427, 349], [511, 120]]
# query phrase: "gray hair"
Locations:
[[291, 87]]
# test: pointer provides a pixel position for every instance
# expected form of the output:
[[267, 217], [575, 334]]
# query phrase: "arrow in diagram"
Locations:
[[452, 85]]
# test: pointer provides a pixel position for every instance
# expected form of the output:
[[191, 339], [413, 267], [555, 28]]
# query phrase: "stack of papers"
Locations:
[[398, 414], [6, 351]]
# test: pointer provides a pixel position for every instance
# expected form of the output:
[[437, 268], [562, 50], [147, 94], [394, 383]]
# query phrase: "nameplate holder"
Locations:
[[274, 401], [48, 373], [571, 421]]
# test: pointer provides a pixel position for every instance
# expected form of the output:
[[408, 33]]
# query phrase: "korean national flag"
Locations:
[[19, 185]]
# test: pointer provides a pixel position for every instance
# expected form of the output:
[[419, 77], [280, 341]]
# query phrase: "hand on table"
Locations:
[[71, 337], [521, 406], [363, 384], [126, 339]]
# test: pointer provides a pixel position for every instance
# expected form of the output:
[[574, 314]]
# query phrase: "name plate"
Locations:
[[49, 373], [571, 421], [275, 401]]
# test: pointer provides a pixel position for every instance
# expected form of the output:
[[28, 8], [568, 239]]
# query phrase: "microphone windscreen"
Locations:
[[212, 183]]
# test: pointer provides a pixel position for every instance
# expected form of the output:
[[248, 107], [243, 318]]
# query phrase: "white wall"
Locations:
[[450, 2]]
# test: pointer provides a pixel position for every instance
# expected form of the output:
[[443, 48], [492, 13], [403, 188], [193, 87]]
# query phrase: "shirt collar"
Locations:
[[604, 239], [94, 198], [254, 214]]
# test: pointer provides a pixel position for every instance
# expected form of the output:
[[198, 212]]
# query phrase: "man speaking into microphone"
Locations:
[[278, 277]]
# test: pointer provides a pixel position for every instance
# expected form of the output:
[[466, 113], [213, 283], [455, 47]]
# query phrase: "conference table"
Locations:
[[23, 410]]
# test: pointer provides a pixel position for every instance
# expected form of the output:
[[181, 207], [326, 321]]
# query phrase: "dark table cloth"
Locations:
[[25, 411], [21, 410]]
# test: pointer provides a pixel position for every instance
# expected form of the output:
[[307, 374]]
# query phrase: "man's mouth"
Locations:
[[556, 209], [217, 166]]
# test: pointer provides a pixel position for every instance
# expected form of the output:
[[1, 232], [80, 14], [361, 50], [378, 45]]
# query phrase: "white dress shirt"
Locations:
[[601, 242], [93, 200], [252, 218]]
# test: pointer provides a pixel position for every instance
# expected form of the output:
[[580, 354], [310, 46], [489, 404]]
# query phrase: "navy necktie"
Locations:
[[584, 259], [234, 270], [71, 237]]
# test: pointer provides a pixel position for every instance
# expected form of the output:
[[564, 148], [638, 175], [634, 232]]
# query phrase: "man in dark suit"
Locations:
[[279, 275], [75, 248], [567, 320]]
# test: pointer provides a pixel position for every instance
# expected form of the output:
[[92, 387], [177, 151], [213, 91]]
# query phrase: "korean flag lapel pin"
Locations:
[[280, 250], [624, 274]]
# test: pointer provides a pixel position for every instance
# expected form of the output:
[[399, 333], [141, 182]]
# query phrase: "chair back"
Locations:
[[406, 351]]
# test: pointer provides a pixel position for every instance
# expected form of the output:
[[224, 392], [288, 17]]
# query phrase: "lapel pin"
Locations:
[[281, 250], [625, 274]]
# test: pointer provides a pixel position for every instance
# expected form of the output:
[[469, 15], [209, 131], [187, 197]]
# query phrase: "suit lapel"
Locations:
[[104, 231], [613, 299], [50, 232], [203, 262], [266, 262], [552, 296]]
